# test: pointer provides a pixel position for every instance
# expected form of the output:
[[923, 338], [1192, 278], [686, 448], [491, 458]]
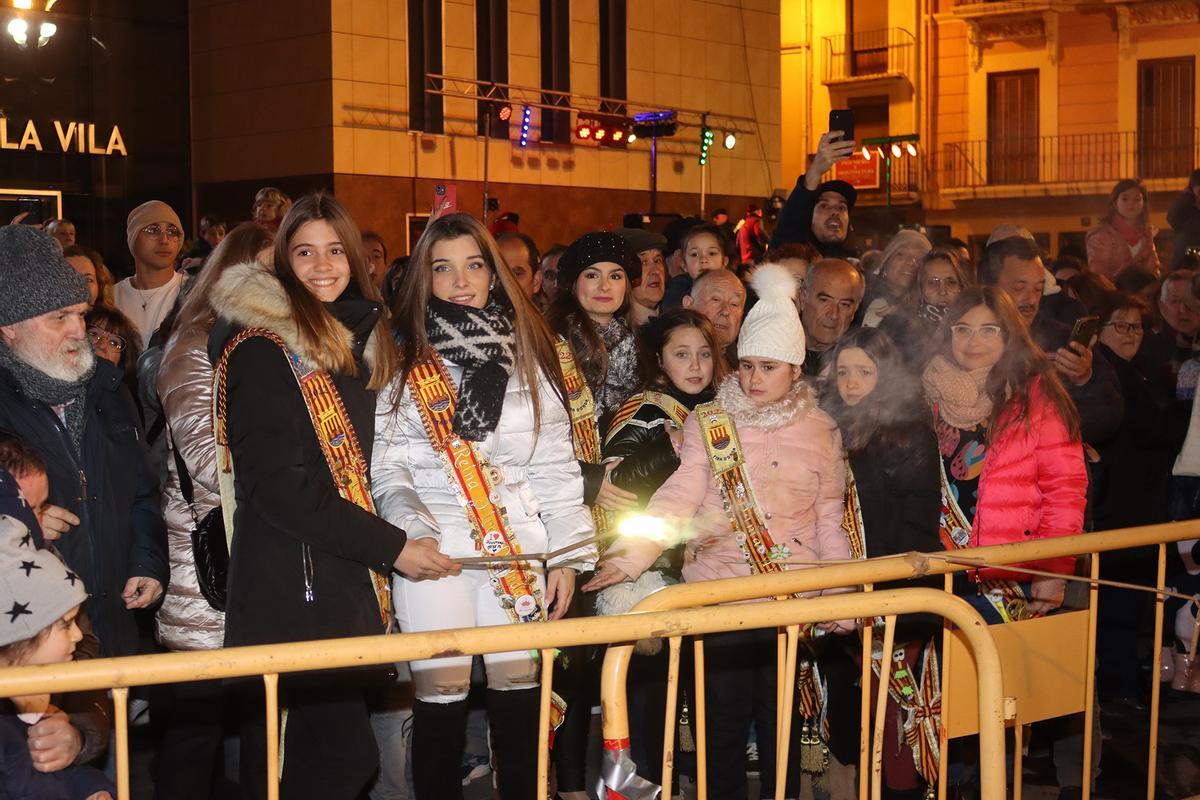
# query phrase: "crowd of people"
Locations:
[[277, 435]]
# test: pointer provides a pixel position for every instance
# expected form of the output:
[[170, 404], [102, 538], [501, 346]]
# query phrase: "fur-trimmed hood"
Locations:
[[248, 295], [773, 416]]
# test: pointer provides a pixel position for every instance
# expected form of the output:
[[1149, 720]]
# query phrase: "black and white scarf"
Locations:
[[481, 341]]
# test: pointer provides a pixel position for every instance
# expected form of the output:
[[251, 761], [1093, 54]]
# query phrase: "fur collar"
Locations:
[[791, 409], [250, 296]]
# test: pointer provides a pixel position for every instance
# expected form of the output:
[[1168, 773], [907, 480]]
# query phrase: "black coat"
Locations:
[[109, 485], [288, 508], [644, 446], [1098, 401], [1135, 465], [795, 225], [1184, 218]]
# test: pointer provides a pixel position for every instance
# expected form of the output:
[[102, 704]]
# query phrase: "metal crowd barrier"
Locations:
[[682, 611]]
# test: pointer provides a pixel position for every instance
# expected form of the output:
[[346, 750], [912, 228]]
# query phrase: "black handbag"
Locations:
[[210, 551]]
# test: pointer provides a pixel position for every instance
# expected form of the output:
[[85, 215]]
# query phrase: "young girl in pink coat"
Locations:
[[766, 450]]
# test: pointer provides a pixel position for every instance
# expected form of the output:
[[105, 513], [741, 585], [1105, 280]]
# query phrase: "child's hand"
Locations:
[[607, 574]]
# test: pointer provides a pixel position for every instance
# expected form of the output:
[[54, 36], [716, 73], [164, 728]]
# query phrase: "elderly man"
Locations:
[[721, 296], [1170, 339], [74, 409], [652, 252], [1014, 265], [819, 213], [833, 291]]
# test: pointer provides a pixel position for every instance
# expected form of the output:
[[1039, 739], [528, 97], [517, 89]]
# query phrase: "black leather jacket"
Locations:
[[644, 446]]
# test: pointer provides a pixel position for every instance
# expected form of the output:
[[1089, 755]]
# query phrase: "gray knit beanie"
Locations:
[[35, 279], [36, 589]]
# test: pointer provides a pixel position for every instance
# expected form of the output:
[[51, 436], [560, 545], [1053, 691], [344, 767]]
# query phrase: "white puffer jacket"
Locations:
[[186, 621], [540, 484]]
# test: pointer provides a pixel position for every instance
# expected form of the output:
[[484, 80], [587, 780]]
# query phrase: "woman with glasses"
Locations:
[[1131, 486], [155, 235], [114, 339], [941, 278], [1011, 454]]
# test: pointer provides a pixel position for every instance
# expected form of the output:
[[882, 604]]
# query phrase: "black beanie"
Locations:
[[597, 248]]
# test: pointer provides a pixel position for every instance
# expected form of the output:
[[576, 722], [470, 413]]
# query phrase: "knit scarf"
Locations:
[[51, 391], [959, 394], [480, 340]]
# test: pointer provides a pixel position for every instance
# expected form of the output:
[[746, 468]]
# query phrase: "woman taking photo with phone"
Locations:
[[473, 452]]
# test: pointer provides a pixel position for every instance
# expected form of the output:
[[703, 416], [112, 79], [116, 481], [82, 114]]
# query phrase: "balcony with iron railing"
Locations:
[[1013, 166], [868, 55]]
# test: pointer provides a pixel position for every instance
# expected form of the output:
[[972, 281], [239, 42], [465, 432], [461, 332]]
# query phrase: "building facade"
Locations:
[[1024, 110], [339, 94]]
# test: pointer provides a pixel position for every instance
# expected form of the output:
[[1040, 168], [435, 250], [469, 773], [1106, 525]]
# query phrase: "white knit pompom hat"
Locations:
[[772, 329]]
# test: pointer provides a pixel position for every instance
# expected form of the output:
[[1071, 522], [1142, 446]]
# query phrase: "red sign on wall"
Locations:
[[858, 171]]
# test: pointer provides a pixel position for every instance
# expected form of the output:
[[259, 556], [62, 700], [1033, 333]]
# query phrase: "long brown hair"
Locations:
[[535, 352], [1143, 220], [1022, 363], [242, 244], [655, 335], [892, 413], [568, 319], [317, 327]]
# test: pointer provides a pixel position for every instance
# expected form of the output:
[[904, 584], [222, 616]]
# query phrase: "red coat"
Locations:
[[1033, 486]]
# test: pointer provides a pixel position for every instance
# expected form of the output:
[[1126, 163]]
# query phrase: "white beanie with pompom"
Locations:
[[772, 329]]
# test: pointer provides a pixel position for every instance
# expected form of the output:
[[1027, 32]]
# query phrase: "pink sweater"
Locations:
[[794, 460]]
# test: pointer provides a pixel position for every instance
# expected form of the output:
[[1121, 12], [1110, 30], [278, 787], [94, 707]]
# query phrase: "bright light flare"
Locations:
[[646, 527]]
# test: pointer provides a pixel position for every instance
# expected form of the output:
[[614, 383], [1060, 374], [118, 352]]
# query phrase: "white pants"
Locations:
[[461, 601]]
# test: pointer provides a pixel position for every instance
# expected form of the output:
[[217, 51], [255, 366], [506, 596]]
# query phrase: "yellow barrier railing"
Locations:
[[917, 565], [672, 613]]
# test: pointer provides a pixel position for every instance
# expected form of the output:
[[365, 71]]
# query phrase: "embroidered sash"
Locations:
[[955, 532], [474, 482], [852, 523], [584, 432], [728, 462], [920, 703], [335, 434], [676, 411]]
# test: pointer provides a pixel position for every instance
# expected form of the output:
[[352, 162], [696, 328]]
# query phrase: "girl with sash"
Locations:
[[473, 451], [596, 276], [760, 484], [681, 362], [893, 504], [1011, 456], [299, 352]]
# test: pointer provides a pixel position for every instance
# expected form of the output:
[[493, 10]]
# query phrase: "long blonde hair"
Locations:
[[317, 327], [535, 352]]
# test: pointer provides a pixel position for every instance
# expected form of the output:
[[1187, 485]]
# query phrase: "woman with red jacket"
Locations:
[[1012, 458]]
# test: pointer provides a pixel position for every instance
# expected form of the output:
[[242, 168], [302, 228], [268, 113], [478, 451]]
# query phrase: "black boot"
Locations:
[[439, 737], [514, 719]]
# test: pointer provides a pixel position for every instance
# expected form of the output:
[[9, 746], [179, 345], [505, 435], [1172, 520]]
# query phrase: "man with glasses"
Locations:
[[155, 235]]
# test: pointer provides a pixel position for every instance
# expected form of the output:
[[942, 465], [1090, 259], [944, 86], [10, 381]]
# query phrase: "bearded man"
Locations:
[[102, 511]]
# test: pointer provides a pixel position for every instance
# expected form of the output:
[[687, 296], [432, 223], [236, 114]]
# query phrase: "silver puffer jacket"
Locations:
[[186, 621]]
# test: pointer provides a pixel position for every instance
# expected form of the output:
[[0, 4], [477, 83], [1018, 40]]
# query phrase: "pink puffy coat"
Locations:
[[1033, 486], [1108, 253], [794, 460]]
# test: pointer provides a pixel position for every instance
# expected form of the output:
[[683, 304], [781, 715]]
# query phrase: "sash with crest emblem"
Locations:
[[474, 481], [584, 432]]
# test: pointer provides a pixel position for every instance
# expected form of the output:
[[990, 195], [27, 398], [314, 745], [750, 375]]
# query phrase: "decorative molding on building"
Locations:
[[1130, 14], [1005, 22]]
